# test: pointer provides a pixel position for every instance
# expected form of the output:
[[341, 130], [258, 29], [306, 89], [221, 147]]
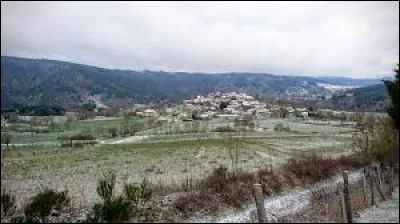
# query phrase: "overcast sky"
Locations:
[[356, 39]]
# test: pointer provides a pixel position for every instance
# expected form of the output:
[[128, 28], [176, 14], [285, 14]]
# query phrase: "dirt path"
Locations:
[[385, 212], [138, 138], [291, 203], [126, 140]]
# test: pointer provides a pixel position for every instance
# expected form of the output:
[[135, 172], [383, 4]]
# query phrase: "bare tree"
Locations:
[[377, 138]]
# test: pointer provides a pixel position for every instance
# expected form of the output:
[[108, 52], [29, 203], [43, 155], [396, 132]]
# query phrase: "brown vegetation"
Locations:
[[220, 190], [223, 189], [377, 138]]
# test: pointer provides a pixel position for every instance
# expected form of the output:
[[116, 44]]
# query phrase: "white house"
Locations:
[[149, 113], [304, 114]]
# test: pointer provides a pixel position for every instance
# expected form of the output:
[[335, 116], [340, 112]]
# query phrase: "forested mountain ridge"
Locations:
[[50, 82]]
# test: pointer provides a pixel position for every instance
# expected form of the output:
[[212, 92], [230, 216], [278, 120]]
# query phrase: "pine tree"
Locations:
[[393, 90]]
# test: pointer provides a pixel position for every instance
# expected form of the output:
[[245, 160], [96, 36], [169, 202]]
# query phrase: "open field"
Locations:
[[97, 127], [162, 158]]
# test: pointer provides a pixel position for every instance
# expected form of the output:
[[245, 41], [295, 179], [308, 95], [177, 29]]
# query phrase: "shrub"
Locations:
[[78, 140], [81, 143], [220, 189], [111, 209], [133, 129], [106, 186], [281, 128], [114, 210], [138, 193], [43, 203], [82, 137], [223, 105], [6, 139], [224, 129], [38, 131], [131, 204], [377, 138], [64, 141], [7, 204], [113, 132], [311, 169]]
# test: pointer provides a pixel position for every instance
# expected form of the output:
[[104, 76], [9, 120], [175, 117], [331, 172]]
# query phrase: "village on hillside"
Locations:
[[231, 104]]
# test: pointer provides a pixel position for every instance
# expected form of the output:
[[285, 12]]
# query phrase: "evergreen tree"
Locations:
[[393, 90]]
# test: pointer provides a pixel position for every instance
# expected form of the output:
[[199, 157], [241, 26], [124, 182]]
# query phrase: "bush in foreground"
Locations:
[[42, 204], [220, 189], [130, 205], [7, 204]]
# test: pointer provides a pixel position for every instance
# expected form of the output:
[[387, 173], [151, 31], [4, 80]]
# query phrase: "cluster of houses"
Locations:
[[236, 104], [147, 113], [233, 104], [3, 121]]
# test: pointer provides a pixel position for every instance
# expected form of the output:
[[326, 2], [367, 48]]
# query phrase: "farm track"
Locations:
[[148, 138], [176, 138]]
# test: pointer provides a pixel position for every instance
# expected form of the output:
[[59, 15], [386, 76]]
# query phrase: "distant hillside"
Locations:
[[57, 83], [373, 98], [337, 80]]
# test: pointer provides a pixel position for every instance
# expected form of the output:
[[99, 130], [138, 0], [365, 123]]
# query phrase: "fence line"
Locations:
[[350, 197]]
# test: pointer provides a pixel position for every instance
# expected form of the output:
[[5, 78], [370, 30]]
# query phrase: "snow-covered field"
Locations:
[[170, 159], [337, 87]]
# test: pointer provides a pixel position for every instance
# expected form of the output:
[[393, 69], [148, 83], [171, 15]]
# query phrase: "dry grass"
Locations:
[[223, 189], [220, 189], [313, 169], [377, 138]]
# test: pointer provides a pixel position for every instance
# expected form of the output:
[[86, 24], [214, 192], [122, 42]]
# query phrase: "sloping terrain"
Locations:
[[374, 97], [49, 82]]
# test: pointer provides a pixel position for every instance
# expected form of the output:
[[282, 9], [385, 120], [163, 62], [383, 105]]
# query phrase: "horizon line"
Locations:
[[194, 72]]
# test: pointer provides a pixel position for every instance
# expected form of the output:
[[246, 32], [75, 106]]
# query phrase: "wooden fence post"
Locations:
[[259, 198], [342, 205], [371, 187], [380, 191], [364, 185], [391, 176], [379, 182], [346, 196], [389, 179], [378, 172]]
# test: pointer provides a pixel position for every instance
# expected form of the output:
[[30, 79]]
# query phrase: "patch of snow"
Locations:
[[386, 212], [337, 87], [128, 140]]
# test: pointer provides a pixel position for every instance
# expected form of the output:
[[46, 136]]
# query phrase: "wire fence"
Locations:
[[343, 202]]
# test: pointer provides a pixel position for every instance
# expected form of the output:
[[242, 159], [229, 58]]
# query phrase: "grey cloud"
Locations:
[[358, 39]]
